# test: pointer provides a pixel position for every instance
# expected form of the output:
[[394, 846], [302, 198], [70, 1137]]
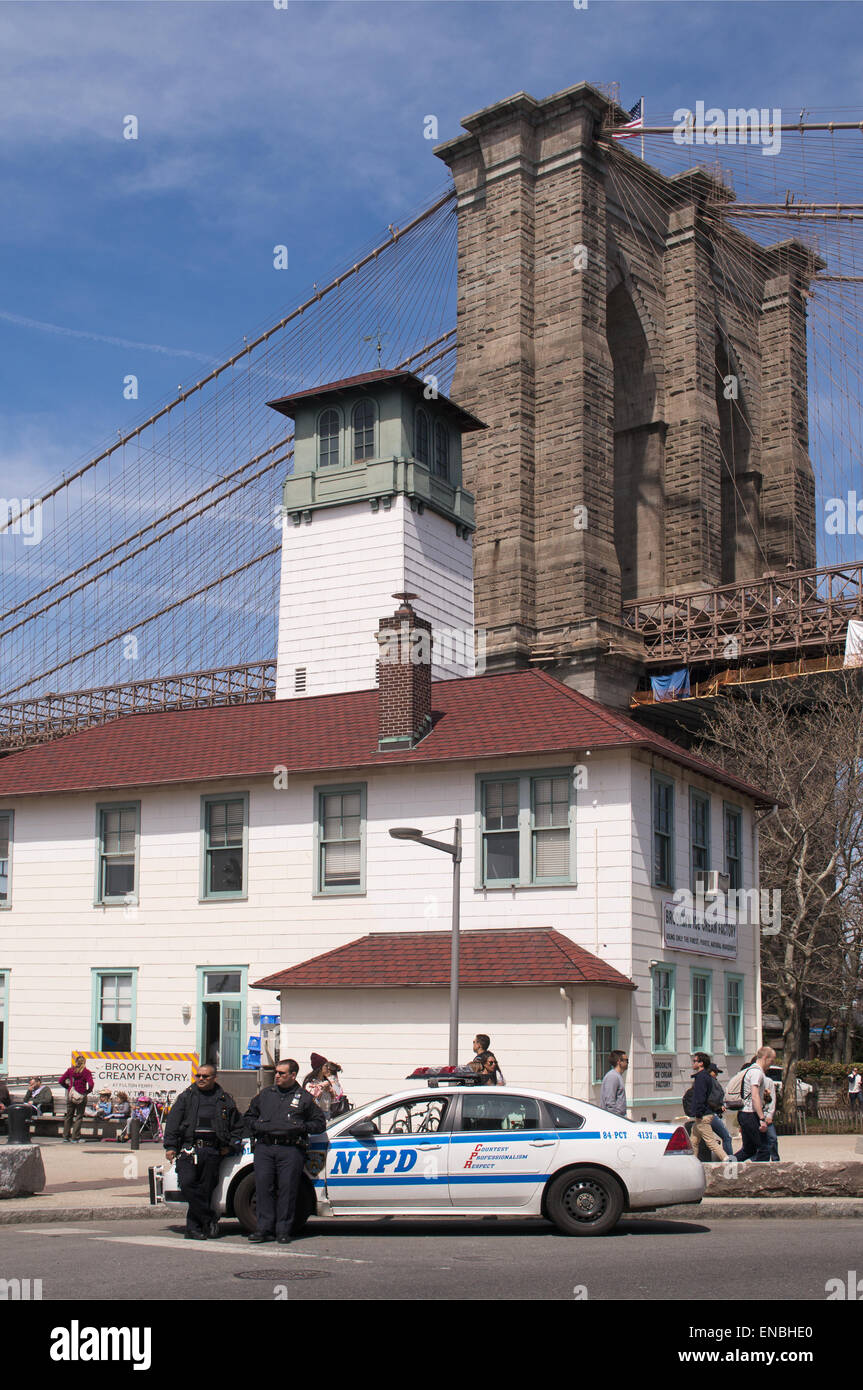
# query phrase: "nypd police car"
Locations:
[[449, 1150]]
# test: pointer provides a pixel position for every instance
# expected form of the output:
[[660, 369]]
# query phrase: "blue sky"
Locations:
[[302, 126]]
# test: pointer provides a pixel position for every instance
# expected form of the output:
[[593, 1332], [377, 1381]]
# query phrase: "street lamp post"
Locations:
[[403, 832]]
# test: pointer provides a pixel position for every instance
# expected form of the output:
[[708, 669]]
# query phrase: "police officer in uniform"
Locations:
[[202, 1126], [279, 1119]]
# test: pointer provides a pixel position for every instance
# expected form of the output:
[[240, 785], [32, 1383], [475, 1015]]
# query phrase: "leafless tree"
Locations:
[[802, 742]]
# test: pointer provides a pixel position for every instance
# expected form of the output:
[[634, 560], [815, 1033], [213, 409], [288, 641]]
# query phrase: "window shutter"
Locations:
[[552, 854]]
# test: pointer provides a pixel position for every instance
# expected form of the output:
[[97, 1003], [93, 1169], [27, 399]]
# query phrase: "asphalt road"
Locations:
[[645, 1260]]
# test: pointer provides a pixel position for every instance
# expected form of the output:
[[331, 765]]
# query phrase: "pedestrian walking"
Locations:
[[485, 1061], [771, 1096], [855, 1089], [717, 1123], [703, 1106], [279, 1120], [612, 1093], [750, 1117], [203, 1126], [77, 1082]]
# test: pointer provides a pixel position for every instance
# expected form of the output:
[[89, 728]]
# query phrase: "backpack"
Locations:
[[715, 1096], [715, 1099], [734, 1097]]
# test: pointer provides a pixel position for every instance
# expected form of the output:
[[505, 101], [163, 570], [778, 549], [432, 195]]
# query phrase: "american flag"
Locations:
[[635, 122]]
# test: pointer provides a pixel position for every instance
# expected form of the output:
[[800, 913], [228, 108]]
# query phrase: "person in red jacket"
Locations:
[[77, 1083]]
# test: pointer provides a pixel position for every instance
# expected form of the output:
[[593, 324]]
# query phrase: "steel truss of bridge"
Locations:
[[805, 611]]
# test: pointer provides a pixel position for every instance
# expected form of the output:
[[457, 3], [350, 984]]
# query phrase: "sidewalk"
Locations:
[[101, 1182]]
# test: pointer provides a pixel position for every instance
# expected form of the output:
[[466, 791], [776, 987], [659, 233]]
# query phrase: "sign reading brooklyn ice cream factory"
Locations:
[[686, 929]]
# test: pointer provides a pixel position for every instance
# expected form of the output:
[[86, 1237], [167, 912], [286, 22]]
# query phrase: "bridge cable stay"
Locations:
[[99, 601]]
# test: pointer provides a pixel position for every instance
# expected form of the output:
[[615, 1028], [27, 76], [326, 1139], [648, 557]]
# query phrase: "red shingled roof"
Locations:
[[521, 713], [421, 960]]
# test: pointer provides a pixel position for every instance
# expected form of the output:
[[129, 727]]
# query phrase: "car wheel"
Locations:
[[245, 1207], [585, 1202]]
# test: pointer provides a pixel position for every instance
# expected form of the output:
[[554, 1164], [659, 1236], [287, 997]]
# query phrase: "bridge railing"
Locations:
[[25, 722], [779, 613]]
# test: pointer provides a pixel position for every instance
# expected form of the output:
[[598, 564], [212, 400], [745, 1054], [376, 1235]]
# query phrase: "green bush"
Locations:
[[810, 1071]]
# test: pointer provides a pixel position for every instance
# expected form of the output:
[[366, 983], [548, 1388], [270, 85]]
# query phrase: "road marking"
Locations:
[[224, 1248], [61, 1231]]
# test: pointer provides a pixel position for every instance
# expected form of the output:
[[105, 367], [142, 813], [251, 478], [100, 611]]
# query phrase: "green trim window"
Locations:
[[4, 1018], [500, 832], [364, 431], [550, 829], [329, 430], [341, 826], [114, 998], [6, 823], [700, 996], [422, 445], [662, 1006], [733, 819], [525, 829], [663, 831], [224, 828], [117, 837], [603, 1039], [222, 1014], [441, 450], [734, 1014], [699, 836]]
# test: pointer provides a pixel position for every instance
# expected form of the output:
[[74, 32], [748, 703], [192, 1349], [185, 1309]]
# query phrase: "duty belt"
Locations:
[[297, 1139]]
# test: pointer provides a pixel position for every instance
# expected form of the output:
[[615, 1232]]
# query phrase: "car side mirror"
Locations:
[[363, 1129]]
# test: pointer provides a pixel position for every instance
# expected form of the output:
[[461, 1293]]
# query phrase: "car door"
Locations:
[[500, 1151], [402, 1165]]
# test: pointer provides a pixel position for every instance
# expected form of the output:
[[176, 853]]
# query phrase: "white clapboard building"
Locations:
[[172, 877]]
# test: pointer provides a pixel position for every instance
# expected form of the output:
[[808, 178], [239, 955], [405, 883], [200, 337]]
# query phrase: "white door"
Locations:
[[500, 1153], [402, 1165]]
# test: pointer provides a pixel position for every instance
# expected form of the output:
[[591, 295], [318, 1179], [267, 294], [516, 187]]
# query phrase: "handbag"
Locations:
[[75, 1096]]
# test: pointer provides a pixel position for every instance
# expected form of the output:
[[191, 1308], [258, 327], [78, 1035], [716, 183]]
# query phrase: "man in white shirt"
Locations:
[[855, 1088], [751, 1118]]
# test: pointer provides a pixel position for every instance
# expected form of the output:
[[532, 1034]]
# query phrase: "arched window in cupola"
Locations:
[[422, 451], [328, 439], [441, 450], [364, 431]]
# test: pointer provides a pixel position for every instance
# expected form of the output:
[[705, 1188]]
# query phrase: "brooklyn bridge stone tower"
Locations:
[[641, 364]]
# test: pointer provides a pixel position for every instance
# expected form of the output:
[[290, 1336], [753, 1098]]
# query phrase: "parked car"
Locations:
[[477, 1151]]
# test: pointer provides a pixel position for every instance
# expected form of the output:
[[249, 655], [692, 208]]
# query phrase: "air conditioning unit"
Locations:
[[714, 883]]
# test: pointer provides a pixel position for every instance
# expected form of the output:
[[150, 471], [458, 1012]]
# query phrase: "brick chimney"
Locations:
[[404, 677]]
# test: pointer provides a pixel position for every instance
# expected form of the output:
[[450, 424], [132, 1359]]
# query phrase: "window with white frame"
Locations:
[[114, 996], [526, 828], [699, 1020], [116, 870], [662, 990], [341, 836], [6, 818]]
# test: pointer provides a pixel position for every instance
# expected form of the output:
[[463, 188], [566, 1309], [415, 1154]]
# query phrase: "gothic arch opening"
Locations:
[[742, 554], [638, 452]]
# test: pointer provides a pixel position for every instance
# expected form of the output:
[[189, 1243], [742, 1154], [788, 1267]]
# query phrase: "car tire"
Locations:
[[584, 1202], [245, 1207]]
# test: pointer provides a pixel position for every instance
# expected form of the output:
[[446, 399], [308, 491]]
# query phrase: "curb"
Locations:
[[779, 1208], [21, 1217], [784, 1208]]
